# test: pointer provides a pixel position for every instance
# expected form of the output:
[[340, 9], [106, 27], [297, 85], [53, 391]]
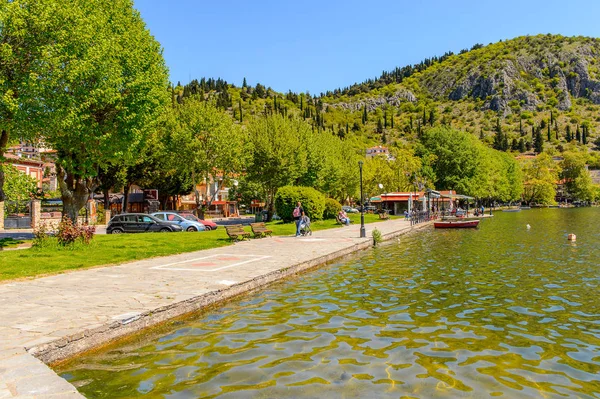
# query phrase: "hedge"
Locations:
[[332, 208], [313, 202]]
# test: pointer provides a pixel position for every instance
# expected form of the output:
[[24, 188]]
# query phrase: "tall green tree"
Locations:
[[540, 177], [538, 141], [576, 176], [28, 31], [276, 158], [461, 162], [103, 83], [209, 145]]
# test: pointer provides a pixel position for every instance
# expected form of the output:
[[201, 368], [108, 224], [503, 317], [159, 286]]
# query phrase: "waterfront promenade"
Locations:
[[52, 318]]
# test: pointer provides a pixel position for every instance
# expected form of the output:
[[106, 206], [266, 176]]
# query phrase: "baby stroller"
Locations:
[[305, 226]]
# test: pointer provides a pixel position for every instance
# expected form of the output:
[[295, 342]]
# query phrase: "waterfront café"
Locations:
[[397, 202]]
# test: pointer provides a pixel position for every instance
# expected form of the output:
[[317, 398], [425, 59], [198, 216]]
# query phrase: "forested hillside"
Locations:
[[516, 95]]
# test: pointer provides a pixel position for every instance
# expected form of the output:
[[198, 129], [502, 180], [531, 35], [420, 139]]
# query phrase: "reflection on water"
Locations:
[[498, 311]]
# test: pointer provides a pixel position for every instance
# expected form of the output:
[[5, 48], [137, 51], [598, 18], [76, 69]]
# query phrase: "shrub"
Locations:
[[377, 238], [40, 236], [332, 208], [312, 201], [68, 233]]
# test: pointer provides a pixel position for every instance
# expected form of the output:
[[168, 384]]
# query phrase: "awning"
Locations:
[[457, 196]]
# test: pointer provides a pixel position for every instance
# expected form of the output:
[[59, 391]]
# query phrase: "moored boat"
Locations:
[[455, 224]]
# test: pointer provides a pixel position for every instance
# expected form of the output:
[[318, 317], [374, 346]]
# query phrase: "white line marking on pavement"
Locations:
[[254, 259]]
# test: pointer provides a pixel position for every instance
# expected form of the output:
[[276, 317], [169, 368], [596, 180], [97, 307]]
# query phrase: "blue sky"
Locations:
[[321, 45]]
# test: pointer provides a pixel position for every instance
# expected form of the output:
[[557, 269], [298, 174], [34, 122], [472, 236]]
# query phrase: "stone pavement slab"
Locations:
[[52, 318]]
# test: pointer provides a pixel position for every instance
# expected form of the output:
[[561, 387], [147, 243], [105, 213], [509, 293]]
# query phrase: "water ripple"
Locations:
[[498, 311]]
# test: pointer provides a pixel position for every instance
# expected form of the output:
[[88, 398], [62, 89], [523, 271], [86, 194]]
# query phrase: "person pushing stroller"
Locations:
[[305, 226], [302, 221]]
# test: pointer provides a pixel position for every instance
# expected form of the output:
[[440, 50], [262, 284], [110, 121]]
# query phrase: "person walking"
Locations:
[[298, 213]]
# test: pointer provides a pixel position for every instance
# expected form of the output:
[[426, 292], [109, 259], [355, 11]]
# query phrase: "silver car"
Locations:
[[187, 225]]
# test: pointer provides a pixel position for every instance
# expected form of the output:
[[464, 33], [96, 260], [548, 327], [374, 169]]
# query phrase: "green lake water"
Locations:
[[500, 311]]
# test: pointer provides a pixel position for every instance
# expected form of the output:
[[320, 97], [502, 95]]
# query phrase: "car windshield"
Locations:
[[189, 216]]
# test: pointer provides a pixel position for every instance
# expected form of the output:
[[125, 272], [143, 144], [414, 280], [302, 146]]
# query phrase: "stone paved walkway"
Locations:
[[57, 316]]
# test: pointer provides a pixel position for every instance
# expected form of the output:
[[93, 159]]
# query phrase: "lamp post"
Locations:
[[363, 233]]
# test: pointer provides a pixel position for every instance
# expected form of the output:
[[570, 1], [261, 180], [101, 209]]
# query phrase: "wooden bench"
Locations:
[[236, 232], [260, 230], [384, 216]]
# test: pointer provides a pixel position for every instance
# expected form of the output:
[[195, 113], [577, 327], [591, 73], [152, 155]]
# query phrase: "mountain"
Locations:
[[519, 87]]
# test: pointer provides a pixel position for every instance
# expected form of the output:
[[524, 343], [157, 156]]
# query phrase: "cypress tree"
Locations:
[[568, 134], [549, 134], [418, 128], [431, 117], [241, 112], [578, 134], [385, 119], [538, 142], [347, 128], [500, 140], [244, 84], [521, 127], [514, 145], [364, 115], [392, 120], [551, 117], [584, 135], [424, 116], [532, 132], [521, 145], [411, 123], [481, 135], [301, 103], [379, 126]]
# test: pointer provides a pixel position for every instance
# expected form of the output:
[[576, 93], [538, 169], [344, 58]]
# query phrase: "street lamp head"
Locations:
[[380, 185], [360, 163]]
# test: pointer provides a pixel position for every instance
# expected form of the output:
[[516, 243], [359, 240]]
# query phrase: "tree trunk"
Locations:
[[126, 197], [106, 200], [3, 145], [75, 192], [270, 206]]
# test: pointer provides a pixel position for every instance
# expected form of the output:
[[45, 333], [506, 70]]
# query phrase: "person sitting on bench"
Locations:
[[343, 217]]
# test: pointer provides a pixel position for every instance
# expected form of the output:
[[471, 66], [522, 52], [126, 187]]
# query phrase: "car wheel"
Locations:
[[165, 230], [116, 231], [192, 228], [207, 228]]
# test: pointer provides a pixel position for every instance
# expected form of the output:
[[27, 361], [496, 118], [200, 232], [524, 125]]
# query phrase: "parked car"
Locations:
[[208, 224], [349, 209], [264, 214], [139, 223], [186, 224]]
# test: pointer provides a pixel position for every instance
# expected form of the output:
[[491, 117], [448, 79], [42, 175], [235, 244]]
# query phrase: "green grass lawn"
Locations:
[[115, 249]]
